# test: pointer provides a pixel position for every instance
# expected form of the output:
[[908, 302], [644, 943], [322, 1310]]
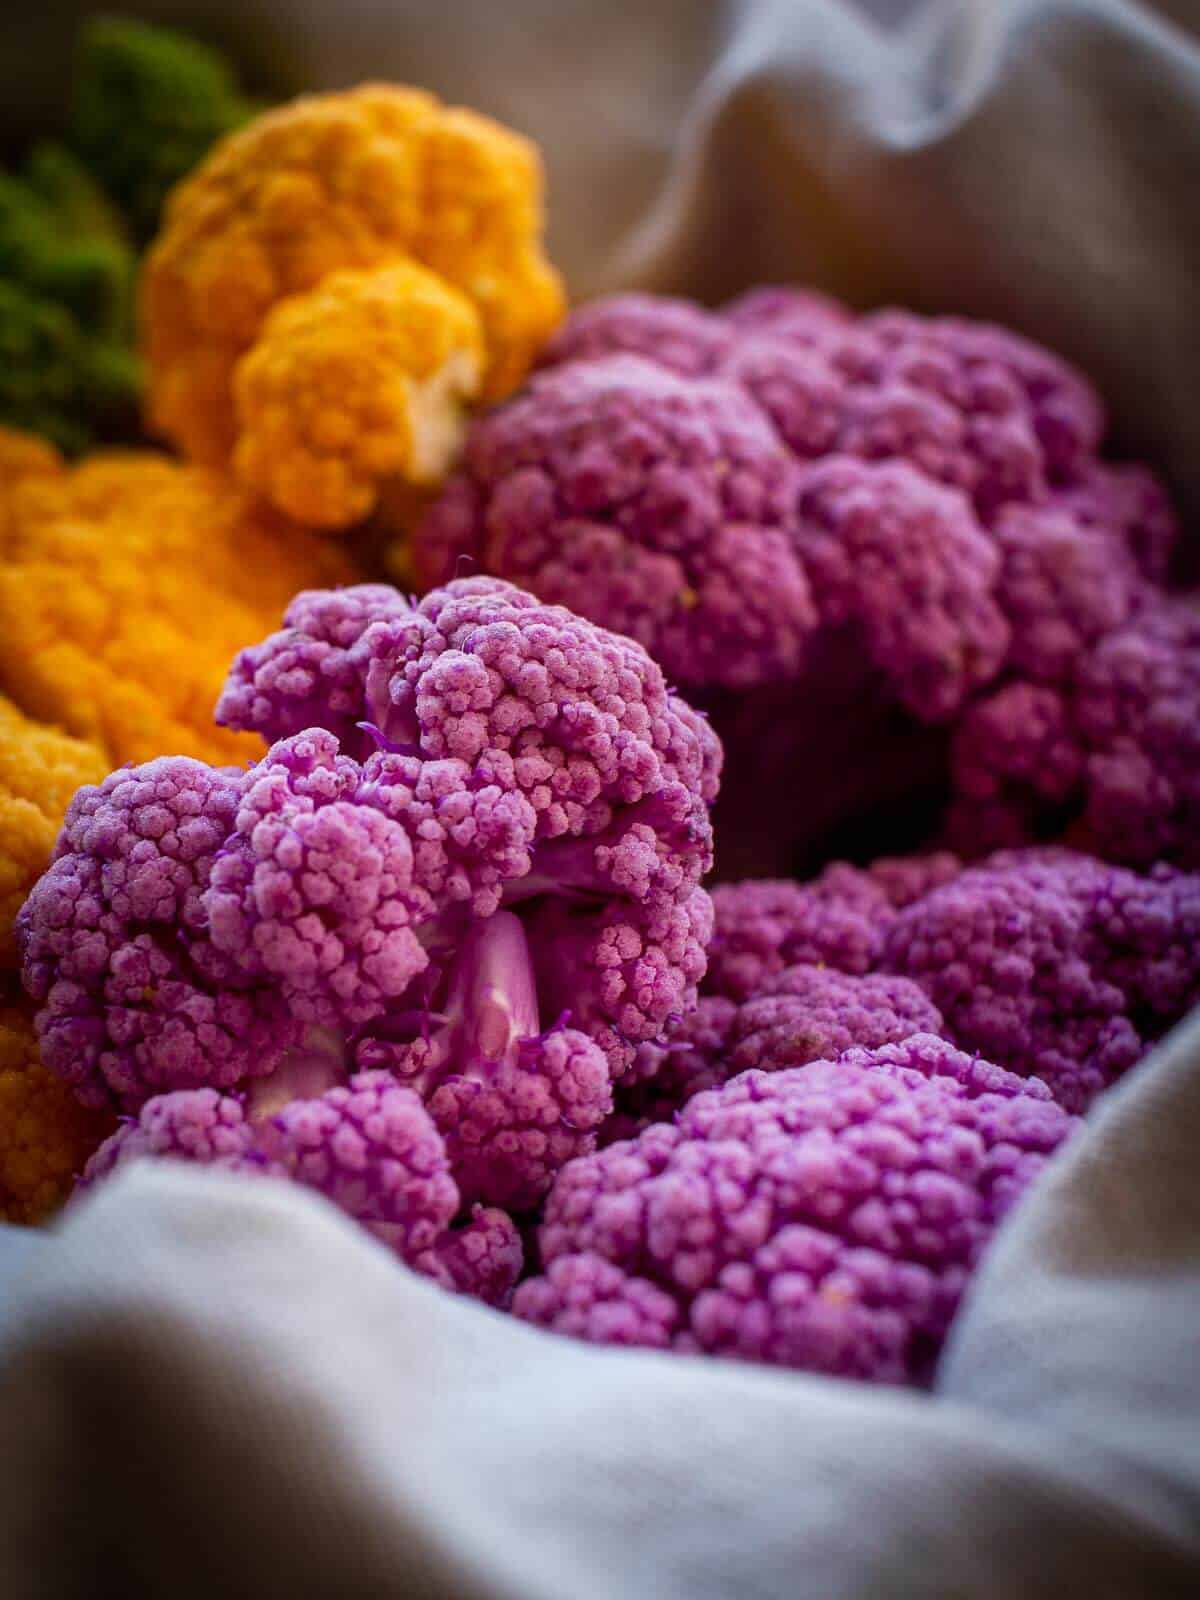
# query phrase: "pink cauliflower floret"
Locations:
[[802, 1014], [304, 675], [1130, 503], [529, 759], [675, 334], [493, 894], [660, 503], [902, 565], [765, 925], [932, 546], [1055, 964], [1113, 750], [134, 996], [367, 1144], [804, 315], [827, 1217]]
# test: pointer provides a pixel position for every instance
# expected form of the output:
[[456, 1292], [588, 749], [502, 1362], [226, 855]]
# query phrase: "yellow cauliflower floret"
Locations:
[[40, 769], [46, 1136], [25, 455], [366, 179], [126, 588], [362, 380]]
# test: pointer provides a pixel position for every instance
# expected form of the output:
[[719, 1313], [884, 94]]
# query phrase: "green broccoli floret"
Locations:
[[147, 105], [61, 241], [59, 380]]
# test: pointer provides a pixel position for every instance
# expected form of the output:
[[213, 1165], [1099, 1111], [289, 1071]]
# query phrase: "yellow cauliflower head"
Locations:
[[127, 585], [40, 769], [46, 1136], [363, 380], [366, 179]]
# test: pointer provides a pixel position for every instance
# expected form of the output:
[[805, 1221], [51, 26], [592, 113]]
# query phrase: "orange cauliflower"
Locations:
[[400, 349], [127, 585], [46, 1136], [40, 769], [367, 179]]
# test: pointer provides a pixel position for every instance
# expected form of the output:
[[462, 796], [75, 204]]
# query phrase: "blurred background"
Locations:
[[887, 150]]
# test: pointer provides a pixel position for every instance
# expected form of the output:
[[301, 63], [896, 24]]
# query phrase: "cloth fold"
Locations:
[[216, 1386]]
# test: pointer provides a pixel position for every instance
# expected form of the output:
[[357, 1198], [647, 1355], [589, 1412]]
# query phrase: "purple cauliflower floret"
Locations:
[[802, 1014], [1113, 749], [1129, 502], [827, 1217], [306, 676], [493, 894], [763, 926], [902, 564], [785, 312], [367, 1144], [662, 504], [849, 539], [134, 996], [675, 334], [1054, 964]]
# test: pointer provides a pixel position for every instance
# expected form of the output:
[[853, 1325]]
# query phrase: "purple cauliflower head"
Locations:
[[1054, 964], [847, 538], [763, 926], [491, 890], [1112, 749], [661, 503], [367, 1144], [134, 996], [802, 1014], [827, 1217]]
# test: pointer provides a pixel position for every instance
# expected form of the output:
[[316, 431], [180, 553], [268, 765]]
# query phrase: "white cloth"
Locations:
[[213, 1386]]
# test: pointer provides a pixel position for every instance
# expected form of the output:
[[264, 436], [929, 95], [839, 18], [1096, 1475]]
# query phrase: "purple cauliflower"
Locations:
[[827, 1217], [802, 1014], [1054, 964], [482, 877], [763, 926], [365, 1143], [848, 539], [663, 503], [1112, 747], [134, 996]]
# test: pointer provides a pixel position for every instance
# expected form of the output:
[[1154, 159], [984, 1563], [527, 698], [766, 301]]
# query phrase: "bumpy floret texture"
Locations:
[[46, 1136], [1112, 747], [1054, 964], [366, 179], [361, 381], [802, 1014], [40, 769], [135, 997], [367, 1145], [147, 103], [824, 1218], [943, 550], [659, 503], [126, 585], [763, 926], [491, 891]]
